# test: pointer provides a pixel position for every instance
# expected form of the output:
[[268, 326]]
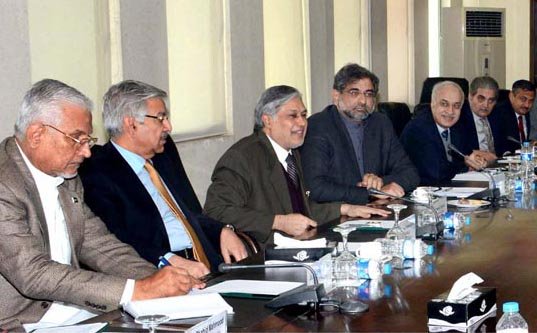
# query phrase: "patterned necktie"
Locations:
[[445, 140], [488, 134], [445, 135], [521, 129], [291, 169], [199, 253]]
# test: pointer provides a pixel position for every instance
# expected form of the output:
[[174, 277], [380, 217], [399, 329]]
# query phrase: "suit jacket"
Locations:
[[467, 122], [116, 194], [330, 166], [249, 188], [29, 279], [504, 119], [424, 145]]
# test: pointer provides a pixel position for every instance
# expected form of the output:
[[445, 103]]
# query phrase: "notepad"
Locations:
[[253, 287], [180, 307]]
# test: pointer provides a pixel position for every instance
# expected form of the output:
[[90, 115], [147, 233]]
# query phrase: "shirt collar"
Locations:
[[41, 179], [441, 129], [280, 152], [352, 123], [135, 161]]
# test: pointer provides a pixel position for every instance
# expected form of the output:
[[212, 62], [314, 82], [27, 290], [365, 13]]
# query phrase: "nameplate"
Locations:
[[215, 324]]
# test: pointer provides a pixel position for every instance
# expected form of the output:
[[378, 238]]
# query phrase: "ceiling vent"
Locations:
[[484, 24]]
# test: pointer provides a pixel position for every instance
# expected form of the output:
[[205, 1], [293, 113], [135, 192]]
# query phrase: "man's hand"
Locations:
[[362, 211], [293, 224], [370, 180], [192, 267], [391, 188], [231, 246], [167, 282], [474, 161], [486, 155]]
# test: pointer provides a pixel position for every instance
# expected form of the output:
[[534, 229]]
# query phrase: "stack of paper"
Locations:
[[283, 242], [180, 307]]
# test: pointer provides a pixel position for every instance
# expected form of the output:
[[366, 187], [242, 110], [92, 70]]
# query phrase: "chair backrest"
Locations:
[[420, 108], [429, 83], [503, 95], [399, 114]]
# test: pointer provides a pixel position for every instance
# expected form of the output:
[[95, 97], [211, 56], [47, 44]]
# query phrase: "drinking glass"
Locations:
[[345, 272], [151, 321], [396, 232]]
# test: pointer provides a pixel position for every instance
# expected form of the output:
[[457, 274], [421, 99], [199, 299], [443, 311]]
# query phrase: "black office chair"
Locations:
[[429, 83], [399, 114], [421, 108], [503, 95]]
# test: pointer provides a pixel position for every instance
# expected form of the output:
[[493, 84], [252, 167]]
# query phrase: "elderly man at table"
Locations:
[[48, 234], [481, 132], [257, 185], [513, 117], [151, 214], [427, 138], [350, 147]]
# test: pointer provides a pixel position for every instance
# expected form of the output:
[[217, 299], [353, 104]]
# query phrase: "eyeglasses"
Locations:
[[160, 118], [91, 141], [354, 93]]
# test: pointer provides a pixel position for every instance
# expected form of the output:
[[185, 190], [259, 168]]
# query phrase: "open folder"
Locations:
[[180, 307]]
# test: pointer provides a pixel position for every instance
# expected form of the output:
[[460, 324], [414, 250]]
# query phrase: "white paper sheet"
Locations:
[[283, 242], [179, 307], [459, 192], [257, 287], [86, 328]]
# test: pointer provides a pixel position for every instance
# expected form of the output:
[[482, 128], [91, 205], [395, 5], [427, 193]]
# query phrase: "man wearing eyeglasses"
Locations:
[[349, 148], [47, 233], [137, 185]]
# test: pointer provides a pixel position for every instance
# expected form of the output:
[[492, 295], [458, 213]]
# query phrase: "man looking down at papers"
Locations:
[[428, 136], [46, 230], [141, 191], [257, 185]]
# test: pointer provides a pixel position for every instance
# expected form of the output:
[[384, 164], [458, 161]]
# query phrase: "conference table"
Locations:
[[499, 245]]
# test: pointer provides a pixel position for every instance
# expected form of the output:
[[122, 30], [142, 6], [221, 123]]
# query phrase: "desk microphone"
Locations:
[[312, 295], [439, 224]]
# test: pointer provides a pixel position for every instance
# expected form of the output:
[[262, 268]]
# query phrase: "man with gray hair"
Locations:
[[257, 185], [137, 185], [427, 138], [47, 233], [478, 127]]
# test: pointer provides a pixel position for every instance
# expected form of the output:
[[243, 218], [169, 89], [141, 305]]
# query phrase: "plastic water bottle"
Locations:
[[405, 248], [526, 158], [456, 220], [371, 269], [511, 320]]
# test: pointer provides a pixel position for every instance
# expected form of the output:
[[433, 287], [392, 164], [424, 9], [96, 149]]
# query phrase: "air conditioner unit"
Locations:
[[472, 43]]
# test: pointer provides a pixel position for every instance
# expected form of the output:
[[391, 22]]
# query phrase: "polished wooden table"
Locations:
[[500, 245]]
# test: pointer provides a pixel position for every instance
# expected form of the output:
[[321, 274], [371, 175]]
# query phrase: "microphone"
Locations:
[[439, 224], [303, 294], [312, 295], [510, 138]]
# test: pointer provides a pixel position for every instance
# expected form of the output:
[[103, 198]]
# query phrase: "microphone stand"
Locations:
[[439, 224]]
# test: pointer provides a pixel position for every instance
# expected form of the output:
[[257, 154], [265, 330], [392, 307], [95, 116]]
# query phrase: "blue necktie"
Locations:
[[445, 135]]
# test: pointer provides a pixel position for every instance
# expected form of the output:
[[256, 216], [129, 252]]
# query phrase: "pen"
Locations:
[[163, 262]]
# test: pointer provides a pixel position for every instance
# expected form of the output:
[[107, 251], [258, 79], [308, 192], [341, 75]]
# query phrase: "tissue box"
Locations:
[[297, 255], [462, 313]]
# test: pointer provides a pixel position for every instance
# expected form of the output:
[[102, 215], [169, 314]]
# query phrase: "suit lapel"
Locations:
[[276, 176], [72, 213], [29, 184]]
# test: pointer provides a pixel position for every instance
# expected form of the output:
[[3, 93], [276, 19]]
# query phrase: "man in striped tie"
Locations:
[[257, 185]]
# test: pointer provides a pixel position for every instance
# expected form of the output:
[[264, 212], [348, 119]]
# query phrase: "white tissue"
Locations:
[[283, 242], [464, 286]]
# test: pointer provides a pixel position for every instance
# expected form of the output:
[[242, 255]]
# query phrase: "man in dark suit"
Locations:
[[48, 234], [427, 137], [481, 133], [350, 148], [513, 118], [257, 184], [157, 216]]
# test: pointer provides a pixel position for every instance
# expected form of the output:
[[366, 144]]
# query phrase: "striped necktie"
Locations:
[[291, 169], [199, 253]]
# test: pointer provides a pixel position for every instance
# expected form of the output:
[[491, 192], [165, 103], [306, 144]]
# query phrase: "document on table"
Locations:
[[459, 192], [368, 224], [180, 307], [86, 328], [253, 287]]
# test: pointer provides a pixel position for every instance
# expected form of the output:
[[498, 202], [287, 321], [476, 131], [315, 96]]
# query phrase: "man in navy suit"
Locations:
[[482, 134], [121, 190], [349, 148], [513, 116], [427, 137]]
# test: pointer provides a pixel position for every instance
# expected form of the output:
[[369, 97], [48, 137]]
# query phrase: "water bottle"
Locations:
[[405, 248], [526, 158], [456, 220], [371, 269], [511, 321]]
